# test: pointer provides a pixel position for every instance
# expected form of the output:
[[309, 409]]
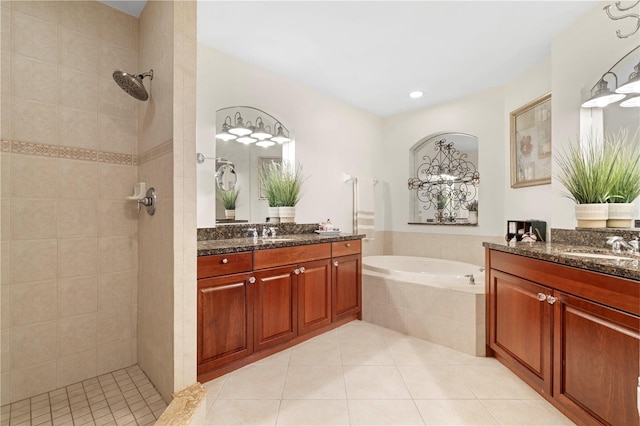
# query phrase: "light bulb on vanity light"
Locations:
[[631, 102], [416, 94]]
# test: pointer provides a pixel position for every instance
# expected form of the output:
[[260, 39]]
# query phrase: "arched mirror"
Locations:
[[226, 177], [444, 181]]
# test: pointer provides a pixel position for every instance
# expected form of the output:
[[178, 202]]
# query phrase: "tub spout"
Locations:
[[472, 280]]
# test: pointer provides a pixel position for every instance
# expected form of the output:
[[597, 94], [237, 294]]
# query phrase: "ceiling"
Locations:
[[371, 54]]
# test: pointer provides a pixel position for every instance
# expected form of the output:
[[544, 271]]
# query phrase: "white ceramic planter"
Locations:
[[621, 215], [287, 214], [274, 214], [592, 215], [473, 217], [230, 214]]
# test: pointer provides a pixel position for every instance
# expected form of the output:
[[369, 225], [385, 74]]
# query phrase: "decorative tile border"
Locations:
[[44, 150]]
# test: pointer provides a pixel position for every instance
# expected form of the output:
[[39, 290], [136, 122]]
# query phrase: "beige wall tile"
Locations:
[[33, 37], [33, 302], [6, 126], [78, 90], [78, 52], [117, 254], [77, 128], [116, 290], [118, 218], [78, 179], [41, 78], [118, 27], [5, 352], [32, 344], [33, 218], [77, 257], [114, 325], [114, 356], [5, 174], [80, 16], [113, 101], [77, 296], [5, 66], [5, 218], [33, 380], [33, 177], [33, 121], [75, 368], [5, 384], [117, 181], [77, 334], [117, 134], [77, 218], [5, 31], [44, 10], [33, 260], [113, 57], [5, 263], [6, 313]]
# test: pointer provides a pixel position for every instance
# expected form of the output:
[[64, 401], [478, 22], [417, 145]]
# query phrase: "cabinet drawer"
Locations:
[[224, 264], [291, 255], [343, 248]]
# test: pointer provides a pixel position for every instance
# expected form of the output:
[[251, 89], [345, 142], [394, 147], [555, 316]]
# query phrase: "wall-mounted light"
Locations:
[[224, 134], [242, 131], [239, 128], [633, 84], [280, 137], [603, 96], [261, 132]]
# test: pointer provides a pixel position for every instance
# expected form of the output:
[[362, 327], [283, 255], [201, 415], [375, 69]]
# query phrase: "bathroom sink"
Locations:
[[596, 255]]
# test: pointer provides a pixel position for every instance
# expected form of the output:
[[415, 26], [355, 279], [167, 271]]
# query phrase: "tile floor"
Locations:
[[124, 397], [363, 374]]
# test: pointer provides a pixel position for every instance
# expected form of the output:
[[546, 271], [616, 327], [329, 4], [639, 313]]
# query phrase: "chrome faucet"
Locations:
[[472, 280], [265, 232], [618, 243], [273, 231], [253, 232]]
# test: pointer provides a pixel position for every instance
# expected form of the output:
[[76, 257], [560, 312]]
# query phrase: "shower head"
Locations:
[[132, 84]]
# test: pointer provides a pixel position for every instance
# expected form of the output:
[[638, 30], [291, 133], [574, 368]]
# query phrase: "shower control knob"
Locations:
[[252, 280], [551, 299], [302, 270], [335, 263], [225, 261], [542, 297]]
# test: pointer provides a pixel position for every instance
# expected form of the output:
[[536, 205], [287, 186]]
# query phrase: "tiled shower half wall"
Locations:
[[69, 158]]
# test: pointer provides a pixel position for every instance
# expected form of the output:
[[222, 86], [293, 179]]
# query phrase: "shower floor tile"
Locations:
[[123, 397]]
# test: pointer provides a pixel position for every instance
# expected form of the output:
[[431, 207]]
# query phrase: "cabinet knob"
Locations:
[[296, 271], [225, 260], [335, 263], [302, 270], [542, 297], [348, 244], [551, 299], [252, 280]]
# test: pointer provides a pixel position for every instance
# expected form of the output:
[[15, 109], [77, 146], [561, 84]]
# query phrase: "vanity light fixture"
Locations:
[[224, 134], [280, 136], [261, 131], [265, 143], [239, 128], [633, 85], [246, 140], [603, 96], [416, 94], [631, 102]]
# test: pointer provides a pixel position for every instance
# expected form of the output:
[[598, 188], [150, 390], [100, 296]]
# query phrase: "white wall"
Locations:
[[481, 115], [331, 137]]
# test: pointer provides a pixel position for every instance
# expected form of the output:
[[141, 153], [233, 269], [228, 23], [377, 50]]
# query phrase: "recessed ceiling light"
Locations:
[[416, 94]]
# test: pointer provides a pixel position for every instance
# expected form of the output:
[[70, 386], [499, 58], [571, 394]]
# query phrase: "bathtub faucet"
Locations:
[[472, 280]]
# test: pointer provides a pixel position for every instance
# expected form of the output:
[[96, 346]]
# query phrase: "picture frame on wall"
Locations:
[[530, 142]]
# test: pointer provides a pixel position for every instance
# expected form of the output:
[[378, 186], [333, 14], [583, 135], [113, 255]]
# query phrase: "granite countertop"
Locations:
[[237, 245], [556, 253]]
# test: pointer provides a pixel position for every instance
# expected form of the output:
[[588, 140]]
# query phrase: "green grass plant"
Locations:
[[228, 198], [626, 169]]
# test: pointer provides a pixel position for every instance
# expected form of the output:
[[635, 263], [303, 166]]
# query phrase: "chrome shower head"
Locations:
[[132, 84]]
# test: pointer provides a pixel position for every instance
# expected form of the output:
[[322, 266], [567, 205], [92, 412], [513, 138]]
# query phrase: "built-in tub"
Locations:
[[428, 298]]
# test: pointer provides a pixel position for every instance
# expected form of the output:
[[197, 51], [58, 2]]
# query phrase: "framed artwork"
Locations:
[[261, 162], [531, 143]]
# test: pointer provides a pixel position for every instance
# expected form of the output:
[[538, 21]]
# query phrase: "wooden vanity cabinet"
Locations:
[[572, 334], [346, 280], [314, 296]]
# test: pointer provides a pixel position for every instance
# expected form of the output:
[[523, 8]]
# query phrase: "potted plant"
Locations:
[[626, 183], [270, 181], [472, 207], [228, 200], [289, 190], [586, 171]]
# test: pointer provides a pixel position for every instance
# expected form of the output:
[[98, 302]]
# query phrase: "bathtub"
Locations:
[[428, 298]]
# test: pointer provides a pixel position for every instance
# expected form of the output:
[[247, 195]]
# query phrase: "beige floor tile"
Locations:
[[374, 382], [320, 352], [417, 352], [243, 412], [529, 412], [460, 358], [280, 358], [435, 383], [213, 388], [314, 382], [454, 412], [313, 412], [255, 382], [384, 412], [495, 382], [365, 352]]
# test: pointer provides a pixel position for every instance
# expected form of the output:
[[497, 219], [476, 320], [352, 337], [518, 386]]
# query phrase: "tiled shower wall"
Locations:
[[69, 158]]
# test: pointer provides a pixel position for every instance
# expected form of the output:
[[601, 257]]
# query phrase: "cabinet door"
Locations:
[[520, 327], [275, 316], [225, 320], [346, 277], [596, 352], [314, 295]]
